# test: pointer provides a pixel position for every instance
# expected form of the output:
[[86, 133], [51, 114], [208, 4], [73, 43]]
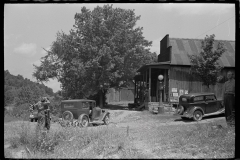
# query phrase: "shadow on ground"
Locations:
[[116, 107], [204, 118]]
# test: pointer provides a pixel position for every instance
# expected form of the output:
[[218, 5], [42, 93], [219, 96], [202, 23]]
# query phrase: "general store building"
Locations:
[[174, 65]]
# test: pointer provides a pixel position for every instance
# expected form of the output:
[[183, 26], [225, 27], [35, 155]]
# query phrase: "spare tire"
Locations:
[[67, 116]]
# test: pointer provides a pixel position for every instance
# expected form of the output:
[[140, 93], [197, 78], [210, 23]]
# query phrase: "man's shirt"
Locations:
[[229, 86]]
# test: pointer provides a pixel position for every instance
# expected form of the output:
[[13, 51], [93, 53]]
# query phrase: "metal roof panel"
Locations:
[[182, 47]]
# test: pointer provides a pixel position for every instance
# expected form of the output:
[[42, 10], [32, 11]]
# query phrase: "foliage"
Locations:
[[104, 49], [205, 65], [18, 90], [21, 111]]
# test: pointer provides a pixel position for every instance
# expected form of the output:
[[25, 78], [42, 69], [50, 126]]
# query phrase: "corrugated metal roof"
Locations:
[[182, 47]]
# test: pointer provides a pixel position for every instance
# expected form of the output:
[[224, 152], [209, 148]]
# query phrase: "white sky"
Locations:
[[30, 27]]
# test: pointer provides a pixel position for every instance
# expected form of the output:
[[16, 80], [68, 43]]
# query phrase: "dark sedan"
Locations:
[[199, 105]]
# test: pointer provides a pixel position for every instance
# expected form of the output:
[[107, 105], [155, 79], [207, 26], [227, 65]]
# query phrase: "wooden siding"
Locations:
[[181, 78], [119, 95]]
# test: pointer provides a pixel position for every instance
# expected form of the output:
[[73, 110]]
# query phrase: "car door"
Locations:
[[211, 104], [85, 108], [198, 101]]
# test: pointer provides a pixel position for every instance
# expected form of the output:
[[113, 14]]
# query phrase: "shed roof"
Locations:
[[182, 47], [159, 64]]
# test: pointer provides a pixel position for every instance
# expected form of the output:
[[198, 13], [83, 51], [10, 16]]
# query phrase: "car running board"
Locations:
[[97, 122], [215, 113]]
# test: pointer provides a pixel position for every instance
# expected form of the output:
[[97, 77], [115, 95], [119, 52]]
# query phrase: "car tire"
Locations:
[[67, 116], [31, 120], [197, 115], [106, 119], [83, 120]]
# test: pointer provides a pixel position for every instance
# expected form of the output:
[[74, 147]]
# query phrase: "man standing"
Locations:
[[229, 98], [43, 112]]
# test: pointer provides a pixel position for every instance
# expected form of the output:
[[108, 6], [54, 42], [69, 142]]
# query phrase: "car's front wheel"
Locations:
[[83, 120], [197, 115]]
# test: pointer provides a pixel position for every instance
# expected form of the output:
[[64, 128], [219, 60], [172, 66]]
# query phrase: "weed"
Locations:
[[38, 141], [7, 153]]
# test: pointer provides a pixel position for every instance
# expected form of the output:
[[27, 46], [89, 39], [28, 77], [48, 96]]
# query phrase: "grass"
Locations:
[[194, 140], [73, 142], [10, 118]]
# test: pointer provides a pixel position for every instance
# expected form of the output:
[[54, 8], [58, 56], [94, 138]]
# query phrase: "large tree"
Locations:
[[104, 49], [205, 65]]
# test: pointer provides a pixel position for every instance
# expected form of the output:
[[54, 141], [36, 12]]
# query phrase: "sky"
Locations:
[[28, 28]]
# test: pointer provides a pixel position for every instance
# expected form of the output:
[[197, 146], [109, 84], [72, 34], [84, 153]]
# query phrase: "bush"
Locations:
[[21, 111]]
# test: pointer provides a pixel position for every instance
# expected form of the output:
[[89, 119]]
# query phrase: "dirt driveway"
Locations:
[[124, 118], [141, 124]]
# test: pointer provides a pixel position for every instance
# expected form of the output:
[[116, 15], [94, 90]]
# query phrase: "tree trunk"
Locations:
[[101, 99]]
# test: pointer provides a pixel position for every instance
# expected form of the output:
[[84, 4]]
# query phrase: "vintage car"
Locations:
[[85, 111], [33, 117], [199, 105]]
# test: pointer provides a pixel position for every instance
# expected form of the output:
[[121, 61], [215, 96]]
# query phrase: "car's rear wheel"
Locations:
[[83, 120], [106, 119], [31, 120], [197, 115], [67, 116]]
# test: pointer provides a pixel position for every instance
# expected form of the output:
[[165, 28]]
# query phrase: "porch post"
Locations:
[[135, 90], [165, 82], [146, 79], [149, 88]]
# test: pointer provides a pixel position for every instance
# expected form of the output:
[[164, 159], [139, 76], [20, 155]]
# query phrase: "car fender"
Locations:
[[104, 114], [193, 109], [83, 114]]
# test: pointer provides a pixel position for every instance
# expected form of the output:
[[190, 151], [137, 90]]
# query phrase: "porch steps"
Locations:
[[152, 105], [140, 107]]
